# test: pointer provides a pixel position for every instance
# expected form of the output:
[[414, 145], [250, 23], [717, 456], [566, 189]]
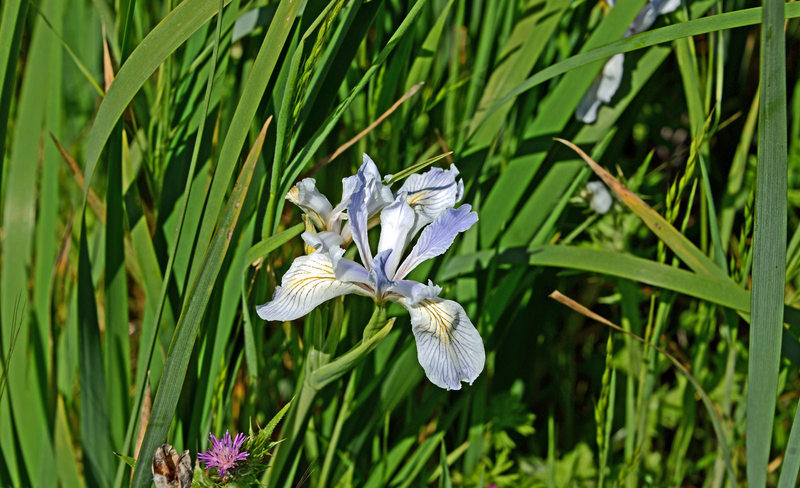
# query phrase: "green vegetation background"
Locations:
[[131, 264]]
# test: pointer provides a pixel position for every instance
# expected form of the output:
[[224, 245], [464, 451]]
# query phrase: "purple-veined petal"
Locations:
[[309, 282], [306, 196], [348, 270], [397, 222], [357, 215], [414, 291], [432, 192], [438, 237], [378, 194], [449, 347], [324, 240], [378, 277]]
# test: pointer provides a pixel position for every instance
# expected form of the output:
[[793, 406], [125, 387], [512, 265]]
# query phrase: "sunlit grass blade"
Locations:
[[11, 27], [769, 246], [252, 91], [162, 41], [26, 390], [182, 344], [554, 112]]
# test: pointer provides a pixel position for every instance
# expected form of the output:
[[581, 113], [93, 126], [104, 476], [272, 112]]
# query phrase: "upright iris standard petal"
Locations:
[[309, 282], [378, 194], [438, 237], [432, 192], [357, 213], [449, 347], [397, 222]]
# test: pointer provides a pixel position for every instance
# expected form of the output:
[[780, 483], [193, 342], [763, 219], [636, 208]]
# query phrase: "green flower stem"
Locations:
[[316, 375], [376, 322]]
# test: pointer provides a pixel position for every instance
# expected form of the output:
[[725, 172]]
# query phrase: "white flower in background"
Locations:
[[449, 347], [600, 199], [607, 83]]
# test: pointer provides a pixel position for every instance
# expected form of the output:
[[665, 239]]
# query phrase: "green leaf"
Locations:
[[183, 339], [162, 41], [769, 247]]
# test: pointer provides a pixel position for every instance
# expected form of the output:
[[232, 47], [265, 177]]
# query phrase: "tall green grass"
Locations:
[[141, 226]]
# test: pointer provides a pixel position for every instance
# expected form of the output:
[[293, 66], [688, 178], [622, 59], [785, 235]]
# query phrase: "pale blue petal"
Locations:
[[449, 347], [438, 237], [378, 194], [348, 270], [397, 222], [357, 216], [432, 192], [378, 278], [414, 291], [309, 282], [666, 6], [587, 108]]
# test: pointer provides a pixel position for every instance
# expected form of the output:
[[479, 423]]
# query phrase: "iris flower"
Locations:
[[449, 347], [607, 83]]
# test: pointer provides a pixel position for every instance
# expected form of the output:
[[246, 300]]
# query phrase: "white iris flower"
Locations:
[[607, 83], [449, 347]]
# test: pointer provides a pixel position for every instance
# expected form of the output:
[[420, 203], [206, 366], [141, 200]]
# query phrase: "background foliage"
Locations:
[[143, 219]]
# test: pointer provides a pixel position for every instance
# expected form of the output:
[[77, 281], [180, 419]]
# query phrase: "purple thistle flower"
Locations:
[[224, 453]]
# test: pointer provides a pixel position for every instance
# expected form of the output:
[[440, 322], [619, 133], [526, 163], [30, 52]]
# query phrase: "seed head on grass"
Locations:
[[224, 453]]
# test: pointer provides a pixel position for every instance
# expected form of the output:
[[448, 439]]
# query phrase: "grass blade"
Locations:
[[95, 438], [180, 350], [162, 41], [791, 460], [769, 246]]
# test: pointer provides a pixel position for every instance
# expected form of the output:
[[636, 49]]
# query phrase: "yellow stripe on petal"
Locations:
[[449, 347], [308, 283]]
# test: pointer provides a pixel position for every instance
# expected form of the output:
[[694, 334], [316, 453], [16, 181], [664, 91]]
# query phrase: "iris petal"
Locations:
[[432, 192], [309, 282], [316, 205], [438, 237], [397, 222], [449, 347]]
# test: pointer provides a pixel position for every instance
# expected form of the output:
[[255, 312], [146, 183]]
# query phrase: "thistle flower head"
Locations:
[[224, 453]]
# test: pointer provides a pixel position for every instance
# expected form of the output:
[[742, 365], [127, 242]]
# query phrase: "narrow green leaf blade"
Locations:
[[769, 246]]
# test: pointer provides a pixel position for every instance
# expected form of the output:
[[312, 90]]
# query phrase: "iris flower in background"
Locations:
[[607, 83], [600, 199], [224, 453], [449, 347]]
